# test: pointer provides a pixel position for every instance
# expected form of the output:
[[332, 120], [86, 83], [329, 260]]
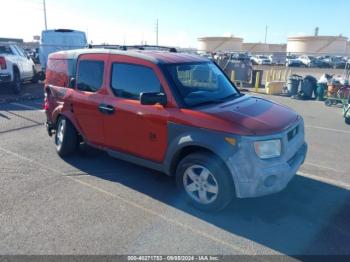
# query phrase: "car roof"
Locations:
[[157, 57]]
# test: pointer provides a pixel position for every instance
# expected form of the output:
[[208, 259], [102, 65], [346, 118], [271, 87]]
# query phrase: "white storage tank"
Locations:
[[332, 45], [277, 48], [255, 48], [348, 49], [216, 44]]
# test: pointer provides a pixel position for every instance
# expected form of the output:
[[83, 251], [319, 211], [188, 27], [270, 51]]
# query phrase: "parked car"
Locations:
[[34, 54], [278, 58], [240, 56], [260, 60], [15, 66], [175, 113], [59, 40], [293, 61], [311, 61], [337, 62]]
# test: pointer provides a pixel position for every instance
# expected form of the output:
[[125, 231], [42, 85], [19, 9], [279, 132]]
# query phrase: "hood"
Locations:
[[258, 116]]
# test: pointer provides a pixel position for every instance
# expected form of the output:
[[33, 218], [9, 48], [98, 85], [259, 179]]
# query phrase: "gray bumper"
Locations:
[[256, 177]]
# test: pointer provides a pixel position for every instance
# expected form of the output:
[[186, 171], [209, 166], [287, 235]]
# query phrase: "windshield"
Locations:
[[201, 83]]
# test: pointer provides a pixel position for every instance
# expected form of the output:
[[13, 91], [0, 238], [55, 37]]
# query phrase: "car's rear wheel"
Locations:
[[205, 182], [16, 83], [66, 137]]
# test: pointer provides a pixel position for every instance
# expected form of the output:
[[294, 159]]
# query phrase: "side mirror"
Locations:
[[153, 98], [72, 82]]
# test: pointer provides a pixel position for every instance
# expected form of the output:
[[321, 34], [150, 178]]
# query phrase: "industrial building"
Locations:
[[223, 44], [262, 48], [332, 45], [313, 45]]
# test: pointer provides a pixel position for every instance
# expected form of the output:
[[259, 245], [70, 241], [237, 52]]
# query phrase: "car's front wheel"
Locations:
[[66, 137], [205, 181], [16, 83], [35, 77]]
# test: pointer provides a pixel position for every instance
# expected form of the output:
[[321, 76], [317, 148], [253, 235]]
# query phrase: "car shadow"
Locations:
[[309, 217], [29, 91]]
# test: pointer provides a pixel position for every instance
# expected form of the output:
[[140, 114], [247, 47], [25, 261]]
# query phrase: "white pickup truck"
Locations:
[[15, 67]]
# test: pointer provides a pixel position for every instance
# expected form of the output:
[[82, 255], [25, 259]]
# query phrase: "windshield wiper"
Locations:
[[228, 98], [218, 101]]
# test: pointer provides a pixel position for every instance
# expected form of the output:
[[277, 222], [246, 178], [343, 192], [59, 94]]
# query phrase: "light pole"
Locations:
[[157, 31], [44, 3]]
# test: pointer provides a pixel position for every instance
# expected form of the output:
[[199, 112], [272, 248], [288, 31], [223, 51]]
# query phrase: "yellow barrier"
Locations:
[[233, 75], [279, 78], [267, 79], [257, 80]]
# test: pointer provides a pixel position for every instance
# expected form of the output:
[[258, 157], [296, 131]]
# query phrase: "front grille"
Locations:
[[292, 133]]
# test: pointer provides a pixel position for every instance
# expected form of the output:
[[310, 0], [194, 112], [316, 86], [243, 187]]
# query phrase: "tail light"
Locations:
[[2, 62], [46, 102]]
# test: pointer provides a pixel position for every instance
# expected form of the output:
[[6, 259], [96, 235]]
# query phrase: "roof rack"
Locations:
[[137, 47]]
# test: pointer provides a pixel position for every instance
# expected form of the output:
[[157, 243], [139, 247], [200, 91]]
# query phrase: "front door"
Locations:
[[140, 130]]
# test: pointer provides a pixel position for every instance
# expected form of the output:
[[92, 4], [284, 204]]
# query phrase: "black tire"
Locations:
[[347, 120], [35, 78], [16, 83], [220, 173], [66, 139], [328, 102]]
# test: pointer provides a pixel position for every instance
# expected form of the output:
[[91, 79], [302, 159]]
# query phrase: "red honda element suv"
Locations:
[[175, 113]]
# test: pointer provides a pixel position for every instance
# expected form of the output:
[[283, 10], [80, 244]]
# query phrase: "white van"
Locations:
[[59, 40]]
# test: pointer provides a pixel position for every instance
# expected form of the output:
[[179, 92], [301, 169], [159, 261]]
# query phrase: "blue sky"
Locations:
[[181, 21]]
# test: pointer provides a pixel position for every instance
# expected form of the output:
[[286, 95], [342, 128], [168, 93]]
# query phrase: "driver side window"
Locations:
[[129, 81]]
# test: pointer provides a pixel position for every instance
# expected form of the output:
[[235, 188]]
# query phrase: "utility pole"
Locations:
[[44, 3], [266, 33], [157, 31]]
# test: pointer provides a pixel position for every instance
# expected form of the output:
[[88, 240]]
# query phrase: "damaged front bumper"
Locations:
[[256, 177]]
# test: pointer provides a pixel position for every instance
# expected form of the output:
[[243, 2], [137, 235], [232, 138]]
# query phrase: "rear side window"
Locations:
[[5, 50], [59, 71], [90, 75], [129, 81]]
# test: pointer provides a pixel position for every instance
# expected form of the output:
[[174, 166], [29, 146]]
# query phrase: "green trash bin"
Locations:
[[321, 87]]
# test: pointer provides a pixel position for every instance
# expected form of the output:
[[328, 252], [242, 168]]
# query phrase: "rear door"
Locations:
[[140, 130], [88, 96]]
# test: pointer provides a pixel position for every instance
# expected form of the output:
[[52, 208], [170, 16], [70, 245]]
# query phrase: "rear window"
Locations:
[[90, 75], [5, 50], [129, 81], [59, 71]]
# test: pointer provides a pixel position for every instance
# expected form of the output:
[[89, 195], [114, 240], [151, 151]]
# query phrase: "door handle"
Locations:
[[106, 109]]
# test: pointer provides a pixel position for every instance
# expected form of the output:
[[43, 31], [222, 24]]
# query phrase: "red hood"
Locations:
[[259, 116]]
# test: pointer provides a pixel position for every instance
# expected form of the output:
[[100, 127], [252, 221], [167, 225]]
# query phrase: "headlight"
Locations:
[[268, 149]]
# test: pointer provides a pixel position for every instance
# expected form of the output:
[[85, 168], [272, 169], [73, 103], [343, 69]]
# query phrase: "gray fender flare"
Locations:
[[184, 136]]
